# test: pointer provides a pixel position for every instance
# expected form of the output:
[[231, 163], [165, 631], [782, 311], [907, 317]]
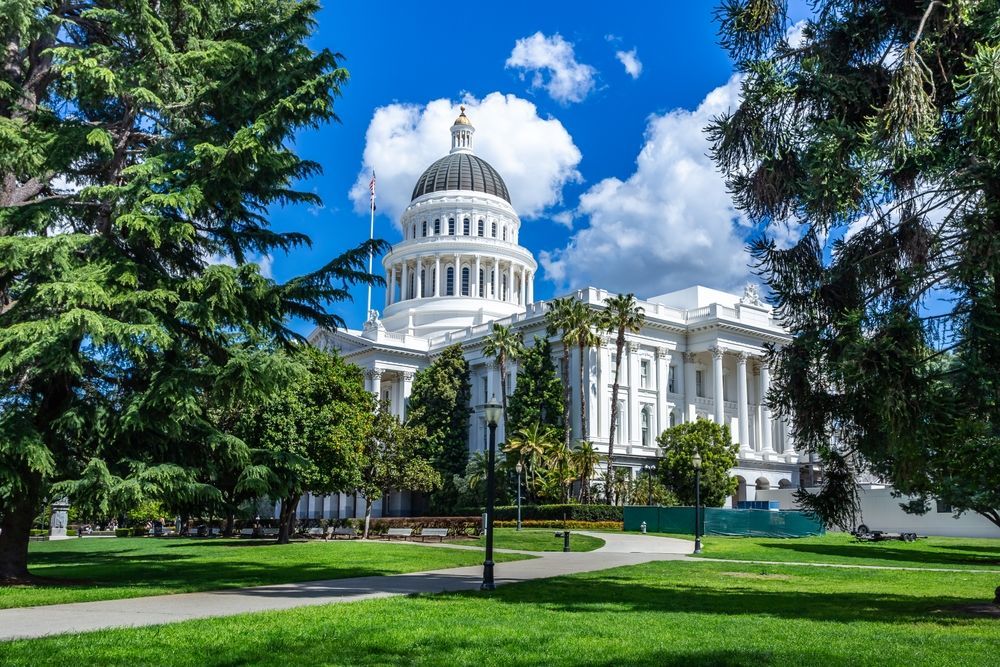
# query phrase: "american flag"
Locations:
[[371, 188]]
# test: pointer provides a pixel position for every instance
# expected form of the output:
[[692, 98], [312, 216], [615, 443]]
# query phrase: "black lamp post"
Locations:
[[520, 468], [696, 463], [494, 411], [650, 469]]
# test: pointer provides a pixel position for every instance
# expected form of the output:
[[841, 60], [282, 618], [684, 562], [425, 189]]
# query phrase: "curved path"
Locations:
[[618, 550]]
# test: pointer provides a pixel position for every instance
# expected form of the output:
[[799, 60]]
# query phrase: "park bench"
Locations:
[[246, 532], [348, 532], [315, 532], [269, 532], [404, 533], [439, 533]]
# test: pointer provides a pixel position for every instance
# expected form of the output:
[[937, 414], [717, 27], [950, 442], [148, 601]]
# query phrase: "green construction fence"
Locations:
[[720, 521]]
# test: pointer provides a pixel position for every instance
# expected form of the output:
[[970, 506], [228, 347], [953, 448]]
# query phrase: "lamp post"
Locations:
[[494, 411], [696, 463], [520, 468], [650, 469]]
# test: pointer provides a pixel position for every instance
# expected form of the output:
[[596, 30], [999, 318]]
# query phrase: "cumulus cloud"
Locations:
[[668, 225], [631, 62], [553, 66], [535, 156]]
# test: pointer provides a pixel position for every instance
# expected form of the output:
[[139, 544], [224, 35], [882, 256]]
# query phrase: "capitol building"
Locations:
[[460, 268]]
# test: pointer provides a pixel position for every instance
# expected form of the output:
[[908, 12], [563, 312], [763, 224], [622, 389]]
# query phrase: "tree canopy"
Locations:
[[867, 155], [538, 396], [714, 443], [142, 147]]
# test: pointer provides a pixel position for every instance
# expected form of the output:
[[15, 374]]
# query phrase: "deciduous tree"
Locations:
[[714, 443]]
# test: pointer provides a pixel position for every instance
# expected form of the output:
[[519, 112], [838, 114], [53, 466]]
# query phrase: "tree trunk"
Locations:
[[583, 398], [368, 517], [503, 393], [15, 529], [567, 397], [286, 518], [619, 345], [230, 523]]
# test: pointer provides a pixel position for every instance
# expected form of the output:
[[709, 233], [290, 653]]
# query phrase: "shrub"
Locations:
[[574, 525], [38, 532], [456, 525], [71, 532], [139, 531], [569, 512]]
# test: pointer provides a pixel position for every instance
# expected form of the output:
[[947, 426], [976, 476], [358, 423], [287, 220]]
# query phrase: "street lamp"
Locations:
[[494, 411], [650, 469], [520, 468], [696, 463]]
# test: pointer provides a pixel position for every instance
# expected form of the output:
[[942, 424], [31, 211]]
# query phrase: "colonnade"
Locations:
[[459, 274]]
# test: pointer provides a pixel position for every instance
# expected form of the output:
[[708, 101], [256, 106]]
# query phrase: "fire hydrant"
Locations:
[[642, 528]]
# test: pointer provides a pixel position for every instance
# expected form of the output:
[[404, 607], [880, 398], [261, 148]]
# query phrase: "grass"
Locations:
[[132, 567], [935, 552], [661, 613], [539, 540]]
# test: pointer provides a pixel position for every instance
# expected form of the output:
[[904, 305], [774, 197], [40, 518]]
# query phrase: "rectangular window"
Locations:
[[644, 374], [943, 507], [614, 367], [466, 230], [699, 383], [451, 226], [482, 228], [620, 423], [671, 373], [486, 389], [725, 389], [437, 227]]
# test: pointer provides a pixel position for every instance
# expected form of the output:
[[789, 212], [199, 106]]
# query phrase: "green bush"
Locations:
[[456, 525], [39, 532], [568, 512], [123, 532], [574, 525], [140, 531], [71, 532]]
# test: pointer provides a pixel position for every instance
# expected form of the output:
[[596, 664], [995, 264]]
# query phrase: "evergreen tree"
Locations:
[[714, 443], [439, 403], [140, 140], [538, 396], [875, 140]]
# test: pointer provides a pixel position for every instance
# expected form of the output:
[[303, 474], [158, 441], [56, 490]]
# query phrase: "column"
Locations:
[[437, 276], [523, 291], [475, 277], [765, 413], [743, 409], [531, 287], [690, 386], [391, 287], [420, 278], [375, 382], [405, 285], [407, 390], [662, 394], [574, 392], [633, 392], [720, 407], [605, 373]]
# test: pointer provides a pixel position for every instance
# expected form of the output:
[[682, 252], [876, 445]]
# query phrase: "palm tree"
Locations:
[[559, 319], [561, 472], [585, 459], [504, 345], [621, 314], [530, 446], [581, 321]]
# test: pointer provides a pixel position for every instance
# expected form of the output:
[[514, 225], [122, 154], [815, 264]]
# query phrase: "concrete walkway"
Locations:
[[28, 622]]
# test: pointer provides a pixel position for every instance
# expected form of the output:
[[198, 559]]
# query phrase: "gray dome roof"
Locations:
[[461, 171]]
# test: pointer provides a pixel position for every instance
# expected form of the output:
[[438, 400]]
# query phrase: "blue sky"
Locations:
[[606, 165]]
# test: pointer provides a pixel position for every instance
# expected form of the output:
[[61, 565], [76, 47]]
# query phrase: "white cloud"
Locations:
[[535, 156], [566, 80], [668, 225], [265, 262], [631, 62], [564, 218], [794, 35]]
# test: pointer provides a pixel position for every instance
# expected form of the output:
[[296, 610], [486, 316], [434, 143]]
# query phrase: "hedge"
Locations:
[[574, 525], [123, 532], [569, 512], [456, 525]]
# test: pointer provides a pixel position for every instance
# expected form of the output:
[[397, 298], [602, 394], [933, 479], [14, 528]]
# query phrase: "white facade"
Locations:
[[459, 269]]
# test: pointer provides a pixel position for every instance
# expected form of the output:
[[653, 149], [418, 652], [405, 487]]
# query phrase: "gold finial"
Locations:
[[462, 118]]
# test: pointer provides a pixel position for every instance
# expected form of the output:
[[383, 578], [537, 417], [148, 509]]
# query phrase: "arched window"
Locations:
[[425, 228], [503, 288], [673, 419], [620, 422], [505, 233], [423, 284], [409, 289], [434, 282], [413, 231], [466, 227], [465, 281], [482, 287], [494, 234], [451, 226], [449, 282], [482, 228], [437, 227], [646, 426]]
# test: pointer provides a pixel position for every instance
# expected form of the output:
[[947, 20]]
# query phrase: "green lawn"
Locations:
[[133, 567], [940, 552], [539, 540], [663, 613]]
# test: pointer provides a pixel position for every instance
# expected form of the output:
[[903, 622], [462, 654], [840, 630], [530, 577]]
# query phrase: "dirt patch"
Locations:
[[753, 575]]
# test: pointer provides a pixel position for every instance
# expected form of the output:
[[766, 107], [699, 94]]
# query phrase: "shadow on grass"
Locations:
[[882, 551]]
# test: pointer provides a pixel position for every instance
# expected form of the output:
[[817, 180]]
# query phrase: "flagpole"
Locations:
[[371, 236]]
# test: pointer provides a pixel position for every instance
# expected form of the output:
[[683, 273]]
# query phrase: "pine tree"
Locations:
[[139, 140], [538, 396], [868, 156]]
